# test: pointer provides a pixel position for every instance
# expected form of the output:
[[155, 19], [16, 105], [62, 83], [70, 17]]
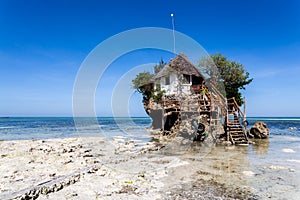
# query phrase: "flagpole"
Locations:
[[173, 26]]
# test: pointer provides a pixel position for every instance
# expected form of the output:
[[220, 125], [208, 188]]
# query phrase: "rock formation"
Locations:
[[259, 130]]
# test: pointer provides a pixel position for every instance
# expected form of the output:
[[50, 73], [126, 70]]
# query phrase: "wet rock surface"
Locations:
[[209, 190]]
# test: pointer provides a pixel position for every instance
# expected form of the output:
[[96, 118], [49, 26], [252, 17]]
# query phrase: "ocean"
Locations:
[[27, 128], [270, 167]]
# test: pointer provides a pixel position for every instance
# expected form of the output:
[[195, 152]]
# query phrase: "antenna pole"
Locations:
[[173, 26]]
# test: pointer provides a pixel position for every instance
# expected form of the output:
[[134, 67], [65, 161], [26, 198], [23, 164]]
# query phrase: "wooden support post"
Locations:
[[226, 119], [162, 121], [245, 117]]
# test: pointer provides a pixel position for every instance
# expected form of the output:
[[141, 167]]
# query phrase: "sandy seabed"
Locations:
[[94, 168]]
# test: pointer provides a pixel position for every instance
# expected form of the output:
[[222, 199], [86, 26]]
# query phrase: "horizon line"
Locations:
[[133, 116]]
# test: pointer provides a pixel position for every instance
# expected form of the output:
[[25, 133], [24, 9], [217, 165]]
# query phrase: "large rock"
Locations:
[[259, 130]]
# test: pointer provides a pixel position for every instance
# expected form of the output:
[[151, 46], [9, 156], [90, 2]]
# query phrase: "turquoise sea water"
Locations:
[[19, 128]]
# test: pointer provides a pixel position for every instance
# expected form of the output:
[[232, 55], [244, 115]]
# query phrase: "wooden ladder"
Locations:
[[235, 129], [204, 101]]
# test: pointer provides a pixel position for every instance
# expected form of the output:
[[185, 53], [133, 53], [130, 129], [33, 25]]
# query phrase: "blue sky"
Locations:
[[43, 43]]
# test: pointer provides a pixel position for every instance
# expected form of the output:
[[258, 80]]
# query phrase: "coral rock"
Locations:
[[259, 130]]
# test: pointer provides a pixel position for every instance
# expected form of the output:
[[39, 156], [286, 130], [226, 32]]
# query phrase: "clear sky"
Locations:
[[43, 43]]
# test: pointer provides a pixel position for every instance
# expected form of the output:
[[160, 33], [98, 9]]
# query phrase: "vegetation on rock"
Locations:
[[232, 74], [159, 66], [141, 80], [139, 84]]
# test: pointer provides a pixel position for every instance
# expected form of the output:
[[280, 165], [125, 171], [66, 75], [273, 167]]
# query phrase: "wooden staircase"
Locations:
[[204, 101], [235, 126]]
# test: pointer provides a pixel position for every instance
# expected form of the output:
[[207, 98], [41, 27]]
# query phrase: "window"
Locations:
[[196, 80], [167, 80], [186, 79]]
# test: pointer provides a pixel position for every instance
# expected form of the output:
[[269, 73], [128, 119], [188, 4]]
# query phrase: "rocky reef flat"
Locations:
[[94, 168]]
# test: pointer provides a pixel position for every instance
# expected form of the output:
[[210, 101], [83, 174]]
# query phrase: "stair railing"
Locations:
[[240, 115]]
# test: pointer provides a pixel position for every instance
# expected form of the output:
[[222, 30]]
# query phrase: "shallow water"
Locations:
[[269, 168], [276, 166]]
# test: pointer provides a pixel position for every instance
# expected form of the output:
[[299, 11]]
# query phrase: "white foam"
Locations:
[[296, 161], [6, 127], [288, 151], [279, 168], [248, 173]]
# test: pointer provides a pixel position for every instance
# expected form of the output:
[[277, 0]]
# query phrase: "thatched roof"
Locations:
[[180, 64]]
